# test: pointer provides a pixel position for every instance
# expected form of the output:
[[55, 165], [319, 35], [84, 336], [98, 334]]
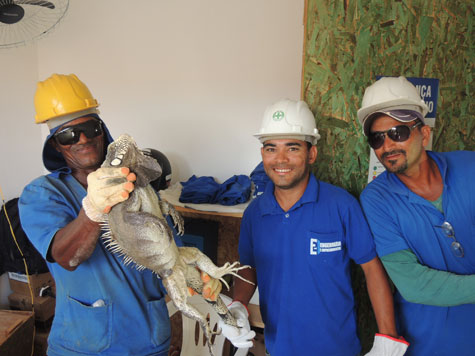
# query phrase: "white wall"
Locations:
[[190, 78], [20, 140]]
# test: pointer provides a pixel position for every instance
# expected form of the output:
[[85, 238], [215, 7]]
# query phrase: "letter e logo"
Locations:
[[314, 247]]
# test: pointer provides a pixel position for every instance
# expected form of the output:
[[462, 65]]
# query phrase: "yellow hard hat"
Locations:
[[61, 95]]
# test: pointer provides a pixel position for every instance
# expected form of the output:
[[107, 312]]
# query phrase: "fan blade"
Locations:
[[47, 4]]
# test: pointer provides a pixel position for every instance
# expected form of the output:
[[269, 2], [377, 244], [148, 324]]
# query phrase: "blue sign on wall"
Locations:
[[428, 90]]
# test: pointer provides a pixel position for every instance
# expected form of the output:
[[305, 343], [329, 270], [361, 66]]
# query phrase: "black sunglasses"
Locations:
[[70, 135], [398, 133]]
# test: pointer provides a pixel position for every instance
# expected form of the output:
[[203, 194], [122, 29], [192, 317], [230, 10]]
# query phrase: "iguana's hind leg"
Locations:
[[193, 256], [177, 291], [194, 282]]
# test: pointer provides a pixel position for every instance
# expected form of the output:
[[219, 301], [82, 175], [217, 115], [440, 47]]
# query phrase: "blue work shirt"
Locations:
[[131, 317], [401, 219], [302, 259]]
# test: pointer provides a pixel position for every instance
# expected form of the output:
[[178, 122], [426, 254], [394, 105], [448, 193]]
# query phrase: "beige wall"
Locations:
[[190, 78], [20, 140]]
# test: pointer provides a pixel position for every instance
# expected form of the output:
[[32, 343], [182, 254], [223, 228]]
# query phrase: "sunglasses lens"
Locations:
[[67, 137], [399, 133], [376, 140], [457, 249], [92, 129], [70, 135], [448, 229]]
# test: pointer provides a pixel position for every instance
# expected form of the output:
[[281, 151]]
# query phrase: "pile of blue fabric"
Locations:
[[235, 190], [260, 179]]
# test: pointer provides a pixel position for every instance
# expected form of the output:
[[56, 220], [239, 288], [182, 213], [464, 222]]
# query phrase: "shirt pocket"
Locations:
[[84, 328], [160, 321], [325, 249]]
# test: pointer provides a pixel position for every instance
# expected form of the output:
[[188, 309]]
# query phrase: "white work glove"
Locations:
[[242, 336], [105, 188], [385, 345]]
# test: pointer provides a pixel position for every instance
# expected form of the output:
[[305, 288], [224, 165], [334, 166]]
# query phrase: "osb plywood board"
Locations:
[[349, 43]]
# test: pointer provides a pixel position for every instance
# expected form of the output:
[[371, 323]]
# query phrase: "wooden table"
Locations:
[[186, 210], [16, 332], [228, 231]]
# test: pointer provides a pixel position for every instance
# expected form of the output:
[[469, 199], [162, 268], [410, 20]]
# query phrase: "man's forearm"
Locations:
[[75, 243], [243, 291], [381, 297], [420, 284]]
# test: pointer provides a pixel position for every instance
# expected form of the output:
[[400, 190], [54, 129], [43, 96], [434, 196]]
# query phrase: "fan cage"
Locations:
[[38, 20]]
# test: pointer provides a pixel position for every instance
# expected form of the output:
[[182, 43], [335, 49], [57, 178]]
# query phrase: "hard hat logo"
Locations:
[[278, 115]]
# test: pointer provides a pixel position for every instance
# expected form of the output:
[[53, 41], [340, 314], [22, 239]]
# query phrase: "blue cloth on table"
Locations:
[[199, 190], [260, 179], [235, 190]]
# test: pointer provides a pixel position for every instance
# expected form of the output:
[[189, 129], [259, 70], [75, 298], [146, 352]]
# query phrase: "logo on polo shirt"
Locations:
[[317, 247]]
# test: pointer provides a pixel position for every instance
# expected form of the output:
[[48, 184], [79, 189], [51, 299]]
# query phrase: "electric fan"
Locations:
[[23, 21]]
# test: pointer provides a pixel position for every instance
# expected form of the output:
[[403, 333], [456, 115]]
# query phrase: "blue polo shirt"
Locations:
[[132, 318], [401, 219], [302, 258]]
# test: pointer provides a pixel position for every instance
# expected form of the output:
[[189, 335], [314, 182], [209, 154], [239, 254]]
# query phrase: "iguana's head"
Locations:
[[124, 152]]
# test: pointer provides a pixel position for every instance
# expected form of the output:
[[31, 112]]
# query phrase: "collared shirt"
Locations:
[[401, 219], [302, 258], [103, 307]]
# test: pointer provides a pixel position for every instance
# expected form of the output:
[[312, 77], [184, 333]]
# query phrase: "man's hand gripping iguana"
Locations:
[[137, 229]]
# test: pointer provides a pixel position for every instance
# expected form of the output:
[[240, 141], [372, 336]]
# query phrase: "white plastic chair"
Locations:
[[192, 346]]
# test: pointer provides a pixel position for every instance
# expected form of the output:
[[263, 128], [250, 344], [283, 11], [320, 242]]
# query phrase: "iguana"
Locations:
[[138, 230]]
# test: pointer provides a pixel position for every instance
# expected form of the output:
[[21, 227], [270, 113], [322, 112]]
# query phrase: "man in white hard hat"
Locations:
[[422, 215], [103, 307], [299, 237]]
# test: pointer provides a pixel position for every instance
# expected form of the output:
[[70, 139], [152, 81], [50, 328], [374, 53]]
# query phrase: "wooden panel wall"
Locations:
[[348, 43]]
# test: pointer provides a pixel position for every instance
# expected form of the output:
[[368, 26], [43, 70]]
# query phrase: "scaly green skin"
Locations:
[[137, 229]]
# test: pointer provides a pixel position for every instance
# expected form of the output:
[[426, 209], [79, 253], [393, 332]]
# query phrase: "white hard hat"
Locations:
[[288, 119], [389, 94]]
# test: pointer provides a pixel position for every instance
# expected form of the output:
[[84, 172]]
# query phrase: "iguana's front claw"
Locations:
[[178, 222]]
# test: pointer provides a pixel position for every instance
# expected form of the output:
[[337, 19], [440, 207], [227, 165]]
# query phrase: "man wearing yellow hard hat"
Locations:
[[102, 306]]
